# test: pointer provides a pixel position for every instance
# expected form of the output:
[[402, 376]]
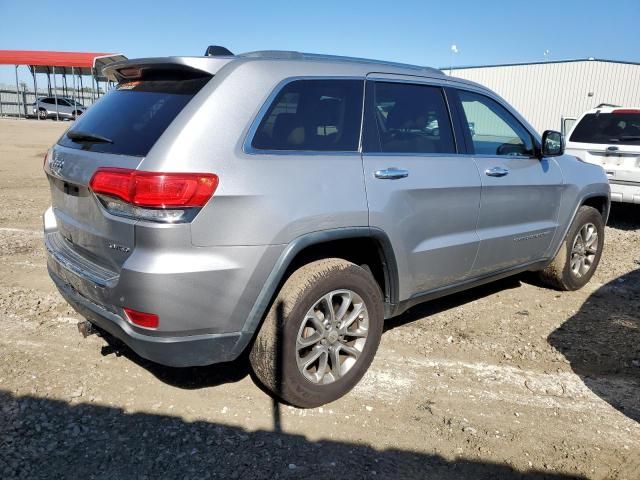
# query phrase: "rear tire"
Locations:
[[306, 320], [579, 254]]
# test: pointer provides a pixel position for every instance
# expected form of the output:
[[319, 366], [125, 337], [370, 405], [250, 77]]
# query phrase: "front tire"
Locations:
[[320, 334], [580, 253], [42, 113]]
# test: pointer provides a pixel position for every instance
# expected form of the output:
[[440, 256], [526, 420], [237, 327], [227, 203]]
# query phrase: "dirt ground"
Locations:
[[511, 380]]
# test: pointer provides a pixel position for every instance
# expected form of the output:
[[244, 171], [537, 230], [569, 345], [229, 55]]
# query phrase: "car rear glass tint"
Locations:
[[134, 115], [608, 128], [322, 115]]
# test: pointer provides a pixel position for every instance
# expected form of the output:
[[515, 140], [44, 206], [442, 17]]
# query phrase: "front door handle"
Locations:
[[496, 172], [391, 173]]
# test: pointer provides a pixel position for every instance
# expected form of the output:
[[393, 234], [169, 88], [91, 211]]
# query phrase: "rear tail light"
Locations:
[[142, 319], [155, 196]]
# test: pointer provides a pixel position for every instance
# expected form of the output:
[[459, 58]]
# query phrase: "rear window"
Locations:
[[133, 116], [322, 115], [608, 128]]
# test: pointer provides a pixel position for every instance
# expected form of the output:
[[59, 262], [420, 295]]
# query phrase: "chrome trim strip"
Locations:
[[613, 153], [78, 265], [630, 183]]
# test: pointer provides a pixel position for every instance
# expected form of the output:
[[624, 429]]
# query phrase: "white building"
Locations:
[[545, 92]]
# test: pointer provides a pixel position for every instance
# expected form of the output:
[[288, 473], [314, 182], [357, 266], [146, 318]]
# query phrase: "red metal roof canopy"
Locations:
[[65, 63], [49, 59]]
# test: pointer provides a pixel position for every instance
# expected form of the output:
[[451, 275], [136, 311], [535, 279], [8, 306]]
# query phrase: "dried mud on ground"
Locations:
[[511, 380]]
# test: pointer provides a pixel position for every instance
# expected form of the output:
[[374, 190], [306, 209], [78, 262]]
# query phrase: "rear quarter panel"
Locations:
[[261, 199]]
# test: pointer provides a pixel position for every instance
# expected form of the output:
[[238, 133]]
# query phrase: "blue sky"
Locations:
[[420, 32]]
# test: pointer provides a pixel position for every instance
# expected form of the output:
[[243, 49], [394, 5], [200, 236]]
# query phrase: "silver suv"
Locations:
[[66, 108], [285, 204]]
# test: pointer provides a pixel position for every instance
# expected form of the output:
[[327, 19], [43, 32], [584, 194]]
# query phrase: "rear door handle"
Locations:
[[391, 173], [496, 172]]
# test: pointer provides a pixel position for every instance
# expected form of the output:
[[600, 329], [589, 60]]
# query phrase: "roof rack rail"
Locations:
[[607, 105], [274, 54], [293, 55], [217, 51]]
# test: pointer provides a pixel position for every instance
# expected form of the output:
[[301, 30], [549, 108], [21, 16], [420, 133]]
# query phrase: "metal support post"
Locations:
[[18, 93], [55, 94], [73, 76], [35, 92]]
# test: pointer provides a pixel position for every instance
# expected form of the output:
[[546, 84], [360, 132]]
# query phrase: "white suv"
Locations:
[[610, 136]]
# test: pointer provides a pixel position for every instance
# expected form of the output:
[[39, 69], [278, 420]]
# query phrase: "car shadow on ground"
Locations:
[[213, 375], [624, 216], [449, 302], [189, 378], [602, 343], [45, 438], [192, 378]]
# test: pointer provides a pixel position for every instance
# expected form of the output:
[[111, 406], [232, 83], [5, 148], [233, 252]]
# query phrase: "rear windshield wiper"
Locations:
[[85, 137]]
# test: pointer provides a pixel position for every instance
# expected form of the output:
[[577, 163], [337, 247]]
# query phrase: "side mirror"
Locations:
[[552, 144]]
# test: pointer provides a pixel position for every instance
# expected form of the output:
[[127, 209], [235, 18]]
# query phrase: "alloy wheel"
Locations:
[[332, 336], [583, 252]]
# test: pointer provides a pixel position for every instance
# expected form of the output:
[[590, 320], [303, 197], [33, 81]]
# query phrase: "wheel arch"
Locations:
[[374, 246], [601, 203], [598, 200]]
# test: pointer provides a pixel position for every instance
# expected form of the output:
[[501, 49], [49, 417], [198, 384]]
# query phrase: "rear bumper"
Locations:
[[203, 296], [627, 192], [184, 351]]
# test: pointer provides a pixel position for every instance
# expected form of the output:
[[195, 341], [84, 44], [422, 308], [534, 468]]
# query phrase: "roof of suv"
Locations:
[[607, 108], [213, 63], [293, 55]]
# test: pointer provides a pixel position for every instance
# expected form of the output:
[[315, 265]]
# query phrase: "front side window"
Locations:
[[410, 118], [493, 130], [323, 115]]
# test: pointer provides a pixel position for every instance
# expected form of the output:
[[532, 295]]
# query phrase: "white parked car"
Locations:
[[610, 136], [67, 108]]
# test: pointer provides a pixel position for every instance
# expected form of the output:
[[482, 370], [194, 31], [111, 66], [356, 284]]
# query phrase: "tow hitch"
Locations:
[[86, 328]]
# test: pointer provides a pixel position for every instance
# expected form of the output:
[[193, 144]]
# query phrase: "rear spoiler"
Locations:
[[183, 67]]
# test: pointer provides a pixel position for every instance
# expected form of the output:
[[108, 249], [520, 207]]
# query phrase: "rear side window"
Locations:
[[131, 118], [323, 115], [409, 118], [618, 128]]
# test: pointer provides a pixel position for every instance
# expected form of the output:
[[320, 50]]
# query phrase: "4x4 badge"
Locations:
[[120, 248]]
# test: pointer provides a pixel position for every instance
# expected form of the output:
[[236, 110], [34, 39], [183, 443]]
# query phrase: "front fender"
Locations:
[[583, 181]]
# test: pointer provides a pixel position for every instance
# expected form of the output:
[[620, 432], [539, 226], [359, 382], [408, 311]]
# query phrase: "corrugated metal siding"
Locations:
[[544, 93], [485, 122]]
